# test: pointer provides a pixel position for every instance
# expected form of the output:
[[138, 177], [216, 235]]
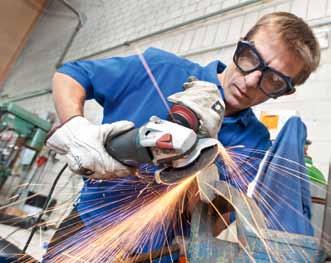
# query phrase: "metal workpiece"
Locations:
[[256, 243], [206, 182]]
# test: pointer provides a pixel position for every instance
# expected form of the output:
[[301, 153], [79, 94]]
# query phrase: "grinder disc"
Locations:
[[172, 175]]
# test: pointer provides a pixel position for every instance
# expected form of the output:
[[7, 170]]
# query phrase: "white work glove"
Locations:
[[83, 145], [205, 100]]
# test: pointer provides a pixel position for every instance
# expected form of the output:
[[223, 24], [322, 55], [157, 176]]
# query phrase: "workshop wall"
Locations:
[[109, 25], [202, 30]]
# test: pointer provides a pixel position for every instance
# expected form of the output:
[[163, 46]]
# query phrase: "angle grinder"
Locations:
[[173, 145]]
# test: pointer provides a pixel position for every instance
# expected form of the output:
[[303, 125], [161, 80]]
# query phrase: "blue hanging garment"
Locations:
[[282, 190]]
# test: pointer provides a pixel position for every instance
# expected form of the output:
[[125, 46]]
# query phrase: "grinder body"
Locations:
[[158, 141], [126, 148]]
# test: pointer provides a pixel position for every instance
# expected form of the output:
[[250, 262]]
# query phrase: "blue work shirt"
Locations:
[[122, 86]]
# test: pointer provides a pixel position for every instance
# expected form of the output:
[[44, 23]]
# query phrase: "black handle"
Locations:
[[125, 148]]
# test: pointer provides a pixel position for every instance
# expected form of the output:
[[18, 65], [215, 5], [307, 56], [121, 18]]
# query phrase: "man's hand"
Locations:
[[83, 145], [205, 100]]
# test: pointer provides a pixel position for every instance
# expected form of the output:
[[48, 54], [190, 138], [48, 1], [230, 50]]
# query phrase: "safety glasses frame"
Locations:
[[264, 68]]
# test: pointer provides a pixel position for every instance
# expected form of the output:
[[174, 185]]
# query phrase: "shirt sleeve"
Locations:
[[99, 78]]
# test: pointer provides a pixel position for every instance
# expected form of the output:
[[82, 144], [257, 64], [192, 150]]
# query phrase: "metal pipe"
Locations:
[[317, 23], [28, 95], [204, 50], [125, 43], [314, 23], [79, 25], [197, 19], [320, 22]]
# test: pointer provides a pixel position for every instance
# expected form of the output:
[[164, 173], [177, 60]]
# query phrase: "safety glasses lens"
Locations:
[[246, 59], [273, 83]]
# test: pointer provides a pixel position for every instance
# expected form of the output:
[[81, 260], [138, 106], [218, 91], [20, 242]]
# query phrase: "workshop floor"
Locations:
[[38, 244]]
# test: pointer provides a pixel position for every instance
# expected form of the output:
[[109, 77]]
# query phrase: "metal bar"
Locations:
[[27, 95], [319, 201], [79, 25], [198, 19], [155, 254], [326, 230], [81, 17]]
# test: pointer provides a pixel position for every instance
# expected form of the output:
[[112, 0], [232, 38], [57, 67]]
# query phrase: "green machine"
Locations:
[[27, 125], [313, 172], [19, 129]]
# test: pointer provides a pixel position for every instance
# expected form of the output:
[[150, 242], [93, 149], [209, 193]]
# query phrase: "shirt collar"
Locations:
[[211, 71], [243, 117]]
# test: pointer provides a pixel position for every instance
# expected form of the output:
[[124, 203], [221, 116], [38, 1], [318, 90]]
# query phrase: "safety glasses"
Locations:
[[272, 82]]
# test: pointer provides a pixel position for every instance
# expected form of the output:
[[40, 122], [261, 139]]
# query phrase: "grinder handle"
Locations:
[[125, 148]]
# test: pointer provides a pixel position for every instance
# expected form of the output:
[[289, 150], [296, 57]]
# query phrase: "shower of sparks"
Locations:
[[117, 236], [148, 221], [239, 179]]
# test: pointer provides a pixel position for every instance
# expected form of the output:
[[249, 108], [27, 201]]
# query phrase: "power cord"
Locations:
[[11, 233], [35, 227]]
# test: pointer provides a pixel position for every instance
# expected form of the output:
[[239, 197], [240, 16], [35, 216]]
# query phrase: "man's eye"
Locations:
[[276, 78], [248, 59]]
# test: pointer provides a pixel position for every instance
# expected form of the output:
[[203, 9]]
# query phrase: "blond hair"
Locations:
[[297, 35]]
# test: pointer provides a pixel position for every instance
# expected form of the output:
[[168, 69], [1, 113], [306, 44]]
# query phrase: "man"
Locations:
[[276, 55]]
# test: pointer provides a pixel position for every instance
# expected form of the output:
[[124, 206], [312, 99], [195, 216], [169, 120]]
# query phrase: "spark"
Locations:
[[155, 84], [263, 203], [118, 241], [118, 234]]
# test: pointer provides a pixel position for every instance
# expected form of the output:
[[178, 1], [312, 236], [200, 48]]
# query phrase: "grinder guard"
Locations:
[[203, 156]]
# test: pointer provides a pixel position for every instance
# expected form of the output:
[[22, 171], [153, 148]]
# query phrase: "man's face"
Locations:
[[241, 89]]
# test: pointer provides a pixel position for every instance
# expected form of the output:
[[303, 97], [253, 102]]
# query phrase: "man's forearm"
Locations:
[[69, 96]]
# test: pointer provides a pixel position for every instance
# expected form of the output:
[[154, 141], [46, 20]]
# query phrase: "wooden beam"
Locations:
[[17, 20]]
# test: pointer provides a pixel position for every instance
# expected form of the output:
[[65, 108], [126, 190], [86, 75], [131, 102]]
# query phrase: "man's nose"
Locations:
[[253, 78]]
